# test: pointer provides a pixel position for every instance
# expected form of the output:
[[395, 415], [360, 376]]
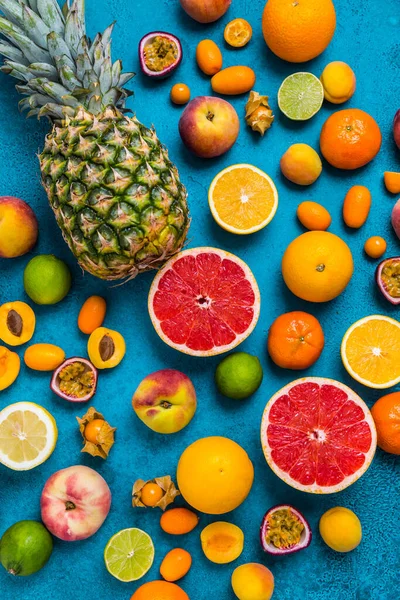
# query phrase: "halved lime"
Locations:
[[300, 96], [129, 554]]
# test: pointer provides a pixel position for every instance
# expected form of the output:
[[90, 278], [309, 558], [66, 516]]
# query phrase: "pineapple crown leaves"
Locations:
[[58, 67]]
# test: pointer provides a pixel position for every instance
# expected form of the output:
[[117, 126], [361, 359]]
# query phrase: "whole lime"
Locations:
[[25, 548], [47, 279], [239, 375]]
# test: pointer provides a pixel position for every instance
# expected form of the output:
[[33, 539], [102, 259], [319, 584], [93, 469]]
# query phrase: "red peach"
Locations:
[[205, 11], [18, 227]]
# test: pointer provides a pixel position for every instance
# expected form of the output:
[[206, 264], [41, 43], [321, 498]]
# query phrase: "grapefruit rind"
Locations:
[[314, 488], [350, 370], [239, 337]]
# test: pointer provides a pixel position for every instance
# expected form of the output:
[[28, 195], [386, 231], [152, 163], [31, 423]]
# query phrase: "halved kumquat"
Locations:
[[238, 33]]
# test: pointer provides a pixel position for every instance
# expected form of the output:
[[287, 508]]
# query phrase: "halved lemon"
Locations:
[[28, 435], [371, 351], [129, 554], [243, 199]]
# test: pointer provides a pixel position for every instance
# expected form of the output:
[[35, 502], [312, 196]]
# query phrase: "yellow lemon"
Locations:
[[340, 529]]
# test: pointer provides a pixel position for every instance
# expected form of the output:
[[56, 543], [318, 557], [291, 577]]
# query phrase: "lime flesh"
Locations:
[[300, 96], [25, 548], [239, 375], [129, 554]]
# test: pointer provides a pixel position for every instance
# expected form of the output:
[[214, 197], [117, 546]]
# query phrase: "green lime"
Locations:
[[239, 375], [25, 548], [300, 96], [129, 554], [47, 279]]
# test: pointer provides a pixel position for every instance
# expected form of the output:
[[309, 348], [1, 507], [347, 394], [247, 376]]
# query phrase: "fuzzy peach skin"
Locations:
[[253, 581], [396, 218], [165, 401], [205, 11], [209, 126], [18, 227], [75, 503]]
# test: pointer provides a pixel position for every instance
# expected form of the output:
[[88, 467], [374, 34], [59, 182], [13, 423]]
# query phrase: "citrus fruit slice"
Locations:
[[371, 351], [300, 96], [318, 435], [204, 301], [28, 435], [129, 554], [238, 33], [243, 199]]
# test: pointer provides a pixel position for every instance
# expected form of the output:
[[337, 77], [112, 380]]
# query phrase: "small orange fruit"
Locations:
[[317, 266], [178, 521], [222, 542], [233, 81], [350, 139], [209, 57], [176, 564], [386, 414], [298, 31], [301, 164], [375, 246], [339, 82], [151, 494], [92, 314], [238, 33], [295, 340], [160, 590], [180, 93], [313, 216], [392, 182], [356, 206], [92, 430]]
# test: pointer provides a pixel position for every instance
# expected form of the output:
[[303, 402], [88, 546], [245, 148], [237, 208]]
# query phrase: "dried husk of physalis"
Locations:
[[104, 439], [259, 115], [165, 483]]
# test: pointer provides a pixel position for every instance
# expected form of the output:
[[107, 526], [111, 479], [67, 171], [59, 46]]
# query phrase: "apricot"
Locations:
[[178, 521], [106, 348], [301, 164], [233, 81], [44, 357], [209, 57], [92, 314], [356, 206], [176, 564], [9, 367], [222, 542], [253, 581], [17, 323], [339, 82], [18, 227]]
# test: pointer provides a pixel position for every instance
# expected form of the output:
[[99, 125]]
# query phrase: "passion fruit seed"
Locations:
[[106, 348], [160, 53], [391, 278], [14, 323], [284, 528], [75, 380]]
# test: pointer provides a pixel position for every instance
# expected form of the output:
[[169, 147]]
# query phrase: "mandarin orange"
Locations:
[[160, 590], [386, 414]]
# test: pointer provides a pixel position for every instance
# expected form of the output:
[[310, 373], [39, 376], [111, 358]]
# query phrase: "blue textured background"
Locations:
[[367, 37]]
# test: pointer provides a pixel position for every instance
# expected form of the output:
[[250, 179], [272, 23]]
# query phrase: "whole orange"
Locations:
[[215, 475], [350, 139], [295, 340], [386, 414], [160, 590], [317, 266], [298, 30]]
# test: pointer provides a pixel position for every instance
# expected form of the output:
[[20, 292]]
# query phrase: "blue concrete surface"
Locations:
[[367, 37]]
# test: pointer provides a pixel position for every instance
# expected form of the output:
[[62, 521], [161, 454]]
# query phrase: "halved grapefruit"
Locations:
[[318, 435], [204, 301]]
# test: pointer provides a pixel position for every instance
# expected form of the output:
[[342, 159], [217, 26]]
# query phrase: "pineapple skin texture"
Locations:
[[115, 194]]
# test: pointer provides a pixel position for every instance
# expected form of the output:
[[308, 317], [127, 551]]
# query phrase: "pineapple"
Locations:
[[115, 193]]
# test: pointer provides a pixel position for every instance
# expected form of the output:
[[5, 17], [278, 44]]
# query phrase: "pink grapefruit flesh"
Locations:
[[204, 301], [318, 435]]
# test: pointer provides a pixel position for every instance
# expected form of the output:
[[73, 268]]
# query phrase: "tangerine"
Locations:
[[160, 590], [386, 414]]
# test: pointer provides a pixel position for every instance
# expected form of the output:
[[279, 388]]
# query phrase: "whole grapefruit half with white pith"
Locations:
[[318, 435], [204, 302]]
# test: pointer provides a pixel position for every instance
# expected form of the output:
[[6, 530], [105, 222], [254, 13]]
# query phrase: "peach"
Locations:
[[18, 227], [75, 503], [205, 11], [209, 126], [165, 401], [339, 82], [301, 164], [253, 581], [396, 218], [222, 542]]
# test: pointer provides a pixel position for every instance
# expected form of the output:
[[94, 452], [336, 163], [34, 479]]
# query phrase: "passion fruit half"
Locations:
[[284, 530], [160, 53], [75, 380], [388, 279]]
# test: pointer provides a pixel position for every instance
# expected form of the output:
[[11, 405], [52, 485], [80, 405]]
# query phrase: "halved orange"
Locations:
[[371, 351], [238, 33], [243, 199]]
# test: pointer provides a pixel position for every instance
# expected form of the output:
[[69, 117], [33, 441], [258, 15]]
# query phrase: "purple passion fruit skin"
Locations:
[[75, 380], [160, 53], [284, 530], [388, 279], [396, 128]]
